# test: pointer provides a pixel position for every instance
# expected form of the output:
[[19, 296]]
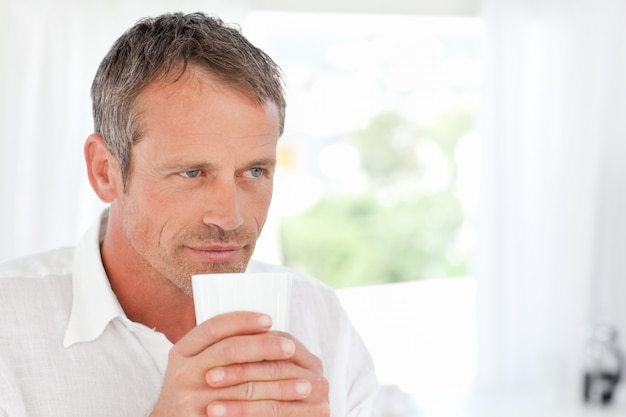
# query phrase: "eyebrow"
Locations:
[[262, 162], [184, 166]]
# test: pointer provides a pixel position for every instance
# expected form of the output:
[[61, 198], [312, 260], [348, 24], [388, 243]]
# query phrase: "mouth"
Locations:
[[219, 254]]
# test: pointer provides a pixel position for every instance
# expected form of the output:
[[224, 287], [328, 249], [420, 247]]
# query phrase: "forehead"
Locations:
[[197, 109]]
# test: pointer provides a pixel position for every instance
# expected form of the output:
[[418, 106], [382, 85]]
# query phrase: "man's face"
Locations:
[[201, 178]]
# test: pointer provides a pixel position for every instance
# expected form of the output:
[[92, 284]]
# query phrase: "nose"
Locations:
[[222, 206]]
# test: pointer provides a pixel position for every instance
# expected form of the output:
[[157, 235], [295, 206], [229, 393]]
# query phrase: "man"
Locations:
[[187, 116]]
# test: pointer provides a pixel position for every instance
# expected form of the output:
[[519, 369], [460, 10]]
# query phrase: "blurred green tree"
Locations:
[[400, 227]]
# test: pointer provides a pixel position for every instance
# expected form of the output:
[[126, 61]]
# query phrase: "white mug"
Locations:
[[260, 292]]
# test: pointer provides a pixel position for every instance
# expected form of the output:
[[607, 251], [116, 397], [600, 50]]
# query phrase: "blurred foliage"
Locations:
[[387, 148], [399, 227]]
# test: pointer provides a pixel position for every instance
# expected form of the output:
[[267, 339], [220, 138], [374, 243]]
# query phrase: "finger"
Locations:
[[304, 382], [247, 349], [268, 409], [224, 376], [302, 357], [219, 328], [282, 390]]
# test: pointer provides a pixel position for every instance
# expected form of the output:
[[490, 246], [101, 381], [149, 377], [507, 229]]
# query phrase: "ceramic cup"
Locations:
[[268, 293]]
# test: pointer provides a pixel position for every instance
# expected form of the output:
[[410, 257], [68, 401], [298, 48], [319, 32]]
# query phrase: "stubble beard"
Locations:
[[182, 268]]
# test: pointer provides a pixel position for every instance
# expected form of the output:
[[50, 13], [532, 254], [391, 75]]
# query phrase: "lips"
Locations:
[[216, 253]]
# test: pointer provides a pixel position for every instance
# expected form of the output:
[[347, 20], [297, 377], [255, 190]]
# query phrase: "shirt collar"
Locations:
[[94, 304]]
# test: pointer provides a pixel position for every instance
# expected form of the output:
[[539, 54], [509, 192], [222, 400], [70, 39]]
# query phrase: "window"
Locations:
[[378, 165]]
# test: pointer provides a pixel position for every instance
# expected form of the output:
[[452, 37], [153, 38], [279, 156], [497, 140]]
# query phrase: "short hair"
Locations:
[[166, 45]]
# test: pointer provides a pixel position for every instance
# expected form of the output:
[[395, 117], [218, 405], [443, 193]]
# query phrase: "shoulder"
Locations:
[[35, 305], [35, 287], [39, 265]]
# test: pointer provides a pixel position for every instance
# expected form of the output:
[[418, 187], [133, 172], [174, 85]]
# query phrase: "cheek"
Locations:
[[260, 203], [155, 197], [265, 195], [148, 214], [163, 203]]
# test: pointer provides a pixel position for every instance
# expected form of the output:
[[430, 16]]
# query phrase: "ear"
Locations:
[[103, 169]]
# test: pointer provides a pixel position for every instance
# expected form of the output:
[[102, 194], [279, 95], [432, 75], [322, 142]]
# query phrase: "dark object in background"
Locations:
[[603, 365]]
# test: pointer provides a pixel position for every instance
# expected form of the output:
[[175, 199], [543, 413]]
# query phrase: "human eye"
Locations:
[[255, 172], [191, 174]]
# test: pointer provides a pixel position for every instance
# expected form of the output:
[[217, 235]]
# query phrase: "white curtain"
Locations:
[[552, 231], [49, 51]]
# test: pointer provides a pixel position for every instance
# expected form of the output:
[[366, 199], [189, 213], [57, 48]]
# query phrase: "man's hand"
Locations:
[[232, 365]]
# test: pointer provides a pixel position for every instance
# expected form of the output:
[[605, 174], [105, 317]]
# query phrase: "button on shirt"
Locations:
[[67, 348]]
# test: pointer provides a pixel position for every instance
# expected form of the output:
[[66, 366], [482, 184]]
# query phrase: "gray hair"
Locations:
[[153, 49]]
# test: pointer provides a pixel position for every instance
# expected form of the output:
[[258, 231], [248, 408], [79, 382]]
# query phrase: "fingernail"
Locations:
[[288, 346], [217, 410], [265, 320], [303, 388], [216, 375]]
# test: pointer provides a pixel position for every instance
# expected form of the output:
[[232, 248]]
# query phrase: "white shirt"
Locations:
[[67, 348]]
